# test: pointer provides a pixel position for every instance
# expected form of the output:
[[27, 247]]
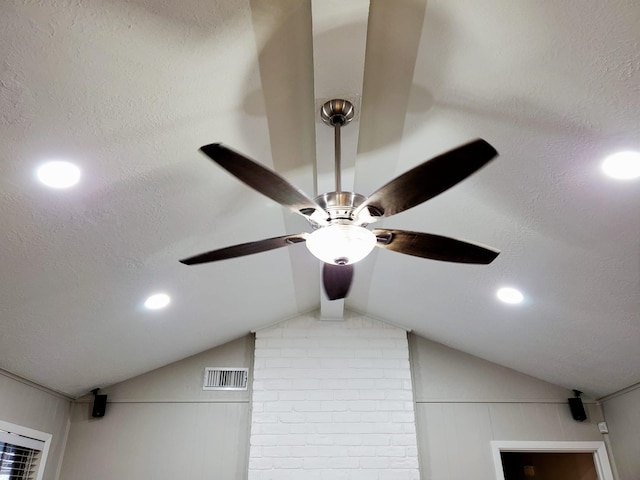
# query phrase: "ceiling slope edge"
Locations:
[[37, 386]]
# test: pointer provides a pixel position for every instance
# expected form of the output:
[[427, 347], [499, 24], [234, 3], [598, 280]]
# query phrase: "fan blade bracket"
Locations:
[[316, 217], [307, 212], [294, 240], [384, 238], [375, 210]]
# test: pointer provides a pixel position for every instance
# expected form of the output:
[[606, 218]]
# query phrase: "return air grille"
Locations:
[[225, 378]]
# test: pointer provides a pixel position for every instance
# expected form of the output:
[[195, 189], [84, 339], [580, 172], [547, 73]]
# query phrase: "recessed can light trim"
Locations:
[[510, 295], [58, 174], [622, 165], [157, 301]]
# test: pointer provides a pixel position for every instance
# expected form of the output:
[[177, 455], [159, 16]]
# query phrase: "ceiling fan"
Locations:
[[339, 219]]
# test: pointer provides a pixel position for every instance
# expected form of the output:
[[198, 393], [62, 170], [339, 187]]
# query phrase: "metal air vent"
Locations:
[[225, 378]]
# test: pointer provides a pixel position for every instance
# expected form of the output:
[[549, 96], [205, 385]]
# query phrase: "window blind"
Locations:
[[19, 456]]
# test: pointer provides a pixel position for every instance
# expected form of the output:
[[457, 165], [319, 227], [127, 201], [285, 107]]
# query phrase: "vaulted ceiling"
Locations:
[[130, 89]]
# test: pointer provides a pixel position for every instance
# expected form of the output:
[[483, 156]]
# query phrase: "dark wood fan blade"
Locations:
[[244, 249], [428, 179], [337, 280], [265, 181], [435, 247]]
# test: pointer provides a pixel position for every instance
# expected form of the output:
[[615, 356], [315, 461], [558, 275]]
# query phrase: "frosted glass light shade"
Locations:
[[341, 244]]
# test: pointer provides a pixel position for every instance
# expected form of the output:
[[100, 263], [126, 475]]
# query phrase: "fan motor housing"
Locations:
[[341, 206]]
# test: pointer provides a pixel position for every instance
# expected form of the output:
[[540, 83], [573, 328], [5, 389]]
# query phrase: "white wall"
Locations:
[[332, 399], [463, 402], [622, 413], [24, 404], [162, 425]]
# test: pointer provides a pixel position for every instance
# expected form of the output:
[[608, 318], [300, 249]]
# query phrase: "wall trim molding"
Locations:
[[620, 392], [598, 449], [153, 401], [490, 401], [37, 386]]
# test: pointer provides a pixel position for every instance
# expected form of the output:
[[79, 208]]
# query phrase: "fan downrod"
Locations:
[[337, 112]]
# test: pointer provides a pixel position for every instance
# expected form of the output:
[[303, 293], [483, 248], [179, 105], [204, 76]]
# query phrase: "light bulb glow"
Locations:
[[622, 165], [157, 301], [510, 295], [59, 174], [341, 244]]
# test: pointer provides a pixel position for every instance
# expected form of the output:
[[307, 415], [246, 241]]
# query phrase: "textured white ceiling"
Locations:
[[129, 90]]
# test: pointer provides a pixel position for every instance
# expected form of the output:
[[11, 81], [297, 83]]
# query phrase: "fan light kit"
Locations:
[[339, 219], [341, 244]]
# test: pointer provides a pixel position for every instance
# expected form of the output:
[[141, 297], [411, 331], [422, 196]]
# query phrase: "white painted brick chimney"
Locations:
[[332, 401]]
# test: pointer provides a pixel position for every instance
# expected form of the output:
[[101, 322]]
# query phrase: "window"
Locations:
[[23, 452]]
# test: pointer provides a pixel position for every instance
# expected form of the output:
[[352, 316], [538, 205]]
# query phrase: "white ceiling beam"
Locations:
[[393, 40], [286, 76], [339, 47]]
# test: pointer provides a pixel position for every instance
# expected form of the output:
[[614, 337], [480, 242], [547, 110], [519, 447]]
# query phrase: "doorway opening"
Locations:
[[548, 466], [551, 460]]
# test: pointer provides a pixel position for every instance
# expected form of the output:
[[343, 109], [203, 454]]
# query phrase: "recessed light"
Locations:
[[510, 295], [59, 174], [622, 165], [157, 301]]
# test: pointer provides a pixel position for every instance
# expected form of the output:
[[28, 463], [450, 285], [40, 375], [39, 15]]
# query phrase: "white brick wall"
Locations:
[[332, 401]]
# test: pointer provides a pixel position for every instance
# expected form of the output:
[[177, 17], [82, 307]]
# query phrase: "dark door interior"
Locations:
[[548, 466]]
